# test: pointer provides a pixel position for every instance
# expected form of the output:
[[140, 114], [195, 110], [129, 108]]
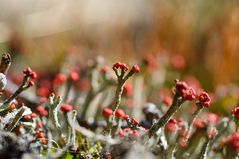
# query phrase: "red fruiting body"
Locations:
[[43, 91], [167, 100], [190, 94], [74, 76], [42, 111], [104, 69], [83, 85], [39, 124], [204, 99], [187, 93], [126, 130], [120, 113], [178, 62], [212, 132], [124, 66], [31, 83], [212, 118], [33, 75], [121, 133], [117, 65], [181, 86], [135, 69], [199, 124], [235, 112], [59, 79], [33, 115], [52, 95], [134, 121], [171, 126], [193, 109], [126, 117], [233, 141], [128, 90], [19, 127], [27, 117], [43, 140], [107, 112], [66, 108], [39, 134], [136, 133], [27, 71], [150, 61]]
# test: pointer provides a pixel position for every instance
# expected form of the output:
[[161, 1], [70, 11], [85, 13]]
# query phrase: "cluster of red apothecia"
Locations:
[[128, 90], [44, 113], [46, 87], [123, 66], [128, 132], [41, 111], [210, 120], [104, 69], [31, 74], [65, 108], [119, 113], [29, 117], [120, 65], [235, 112], [188, 93], [38, 133], [233, 139]]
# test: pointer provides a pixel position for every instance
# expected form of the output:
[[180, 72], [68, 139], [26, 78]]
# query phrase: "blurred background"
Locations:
[[42, 33]]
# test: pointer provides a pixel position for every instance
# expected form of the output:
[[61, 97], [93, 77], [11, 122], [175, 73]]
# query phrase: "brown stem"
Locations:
[[171, 111], [5, 63]]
